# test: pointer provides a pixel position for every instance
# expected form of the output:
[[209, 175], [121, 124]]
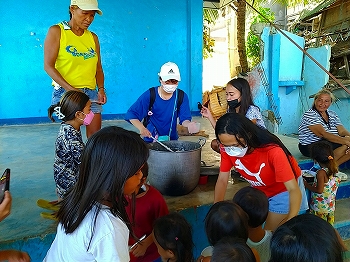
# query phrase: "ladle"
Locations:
[[166, 147]]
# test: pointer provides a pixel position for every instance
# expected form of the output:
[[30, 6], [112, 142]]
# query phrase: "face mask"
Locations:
[[88, 118], [169, 88], [233, 104], [236, 151]]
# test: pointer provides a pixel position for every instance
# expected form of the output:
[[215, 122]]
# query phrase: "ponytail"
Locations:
[[332, 167], [50, 111]]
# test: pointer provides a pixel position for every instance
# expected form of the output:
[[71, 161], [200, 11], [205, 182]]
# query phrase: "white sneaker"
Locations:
[[342, 176]]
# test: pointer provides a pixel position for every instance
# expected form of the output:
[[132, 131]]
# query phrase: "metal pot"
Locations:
[[175, 173]]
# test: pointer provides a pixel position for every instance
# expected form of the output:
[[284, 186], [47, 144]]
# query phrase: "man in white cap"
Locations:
[[161, 106], [72, 59]]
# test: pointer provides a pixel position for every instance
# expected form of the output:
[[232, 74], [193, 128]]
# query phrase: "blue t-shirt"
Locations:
[[162, 113]]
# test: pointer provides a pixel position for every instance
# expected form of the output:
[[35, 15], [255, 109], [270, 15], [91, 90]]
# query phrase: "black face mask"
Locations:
[[233, 104]]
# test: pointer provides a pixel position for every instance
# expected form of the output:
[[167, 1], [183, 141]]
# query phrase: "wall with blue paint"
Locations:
[[315, 78], [136, 38], [285, 64]]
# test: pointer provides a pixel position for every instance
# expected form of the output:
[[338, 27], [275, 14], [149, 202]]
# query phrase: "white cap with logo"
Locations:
[[87, 5], [169, 71]]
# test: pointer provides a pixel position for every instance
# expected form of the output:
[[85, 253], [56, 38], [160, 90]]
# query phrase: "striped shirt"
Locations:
[[310, 118]]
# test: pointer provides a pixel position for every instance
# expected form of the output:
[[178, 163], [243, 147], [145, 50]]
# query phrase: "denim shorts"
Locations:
[[92, 94], [280, 203]]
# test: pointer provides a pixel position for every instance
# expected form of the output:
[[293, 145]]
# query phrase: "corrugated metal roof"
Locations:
[[307, 14]]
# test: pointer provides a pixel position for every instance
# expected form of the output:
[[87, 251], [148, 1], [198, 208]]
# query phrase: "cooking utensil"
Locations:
[[166, 147], [142, 238], [175, 174]]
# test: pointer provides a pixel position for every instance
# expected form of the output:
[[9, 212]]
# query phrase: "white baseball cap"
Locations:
[[169, 71], [87, 5]]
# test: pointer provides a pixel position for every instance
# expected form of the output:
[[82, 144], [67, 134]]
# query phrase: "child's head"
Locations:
[[71, 103], [231, 249], [306, 238], [322, 152], [226, 219], [236, 129], [111, 157], [255, 203], [244, 131], [110, 168], [173, 238], [238, 88]]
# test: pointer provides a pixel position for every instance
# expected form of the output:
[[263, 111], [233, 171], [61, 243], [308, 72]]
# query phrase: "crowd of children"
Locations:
[[111, 206], [107, 212]]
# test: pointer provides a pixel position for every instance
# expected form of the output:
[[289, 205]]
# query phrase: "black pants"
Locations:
[[305, 149]]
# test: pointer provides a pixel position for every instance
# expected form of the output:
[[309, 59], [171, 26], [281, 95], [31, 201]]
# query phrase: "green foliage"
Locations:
[[253, 41], [209, 17], [253, 49], [208, 43]]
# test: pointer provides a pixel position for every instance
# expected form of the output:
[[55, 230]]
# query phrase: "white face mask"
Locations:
[[235, 151], [169, 88]]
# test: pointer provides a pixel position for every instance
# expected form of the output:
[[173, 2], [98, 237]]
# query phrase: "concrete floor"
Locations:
[[29, 151]]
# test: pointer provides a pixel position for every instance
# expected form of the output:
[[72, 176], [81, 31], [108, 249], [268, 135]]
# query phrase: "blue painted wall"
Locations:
[[284, 62], [136, 38]]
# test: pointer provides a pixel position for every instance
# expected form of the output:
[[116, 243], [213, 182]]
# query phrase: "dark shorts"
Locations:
[[304, 149]]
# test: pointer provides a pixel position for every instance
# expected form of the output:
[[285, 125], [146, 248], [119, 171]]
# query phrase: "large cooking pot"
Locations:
[[175, 173]]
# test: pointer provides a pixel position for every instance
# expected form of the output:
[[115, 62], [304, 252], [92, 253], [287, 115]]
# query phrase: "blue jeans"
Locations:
[[280, 203], [92, 94]]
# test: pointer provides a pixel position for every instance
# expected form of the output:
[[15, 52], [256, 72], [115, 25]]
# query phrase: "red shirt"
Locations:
[[148, 208], [265, 168]]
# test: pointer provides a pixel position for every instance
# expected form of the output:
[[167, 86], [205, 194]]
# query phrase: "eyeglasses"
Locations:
[[171, 81]]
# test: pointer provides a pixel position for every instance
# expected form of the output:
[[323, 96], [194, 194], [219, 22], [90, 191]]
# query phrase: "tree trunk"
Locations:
[[241, 11]]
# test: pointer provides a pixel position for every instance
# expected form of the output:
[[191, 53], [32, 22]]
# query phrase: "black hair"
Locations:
[[230, 249], [174, 233], [70, 103], [255, 203], [322, 152], [242, 86], [225, 219], [111, 156], [144, 170], [255, 137], [306, 238]]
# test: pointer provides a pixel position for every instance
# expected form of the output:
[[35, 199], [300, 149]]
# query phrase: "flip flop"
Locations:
[[342, 176], [48, 215], [51, 205]]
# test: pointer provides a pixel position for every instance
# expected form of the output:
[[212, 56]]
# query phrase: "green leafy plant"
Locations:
[[253, 41], [208, 43], [209, 17]]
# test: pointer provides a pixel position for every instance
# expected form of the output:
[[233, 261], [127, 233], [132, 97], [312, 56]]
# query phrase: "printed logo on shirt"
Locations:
[[86, 55], [259, 182]]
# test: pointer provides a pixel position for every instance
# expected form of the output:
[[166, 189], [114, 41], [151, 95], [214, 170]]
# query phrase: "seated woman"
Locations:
[[320, 123], [239, 100]]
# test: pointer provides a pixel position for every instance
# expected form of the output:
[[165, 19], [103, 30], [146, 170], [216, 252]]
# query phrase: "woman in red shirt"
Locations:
[[263, 161]]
